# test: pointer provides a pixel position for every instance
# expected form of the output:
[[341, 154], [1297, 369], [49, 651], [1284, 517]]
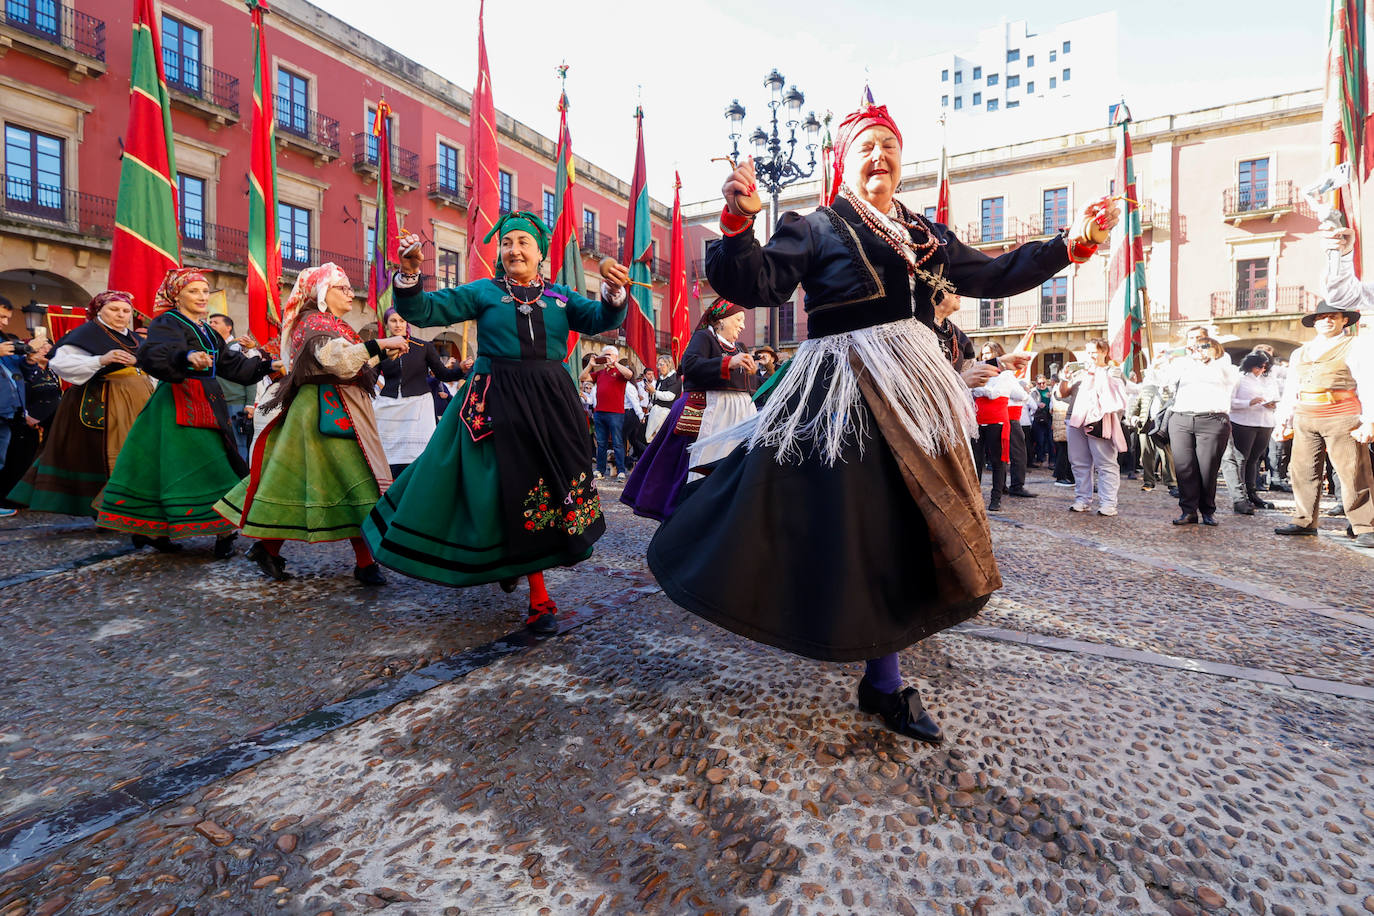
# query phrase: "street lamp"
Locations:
[[775, 162]]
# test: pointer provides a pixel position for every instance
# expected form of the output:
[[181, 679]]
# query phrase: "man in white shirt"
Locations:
[[1328, 401]]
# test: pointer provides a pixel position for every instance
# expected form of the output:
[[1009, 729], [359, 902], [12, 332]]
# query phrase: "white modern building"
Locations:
[[1015, 81]]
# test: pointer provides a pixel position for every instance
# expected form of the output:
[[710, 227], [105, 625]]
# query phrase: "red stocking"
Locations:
[[362, 555], [538, 593]]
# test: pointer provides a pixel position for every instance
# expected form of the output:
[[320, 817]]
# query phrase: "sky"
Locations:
[[684, 62]]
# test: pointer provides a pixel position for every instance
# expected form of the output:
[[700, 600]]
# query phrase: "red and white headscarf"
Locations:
[[311, 286], [176, 281], [850, 128]]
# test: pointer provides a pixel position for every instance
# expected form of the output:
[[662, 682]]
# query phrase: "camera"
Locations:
[[20, 347]]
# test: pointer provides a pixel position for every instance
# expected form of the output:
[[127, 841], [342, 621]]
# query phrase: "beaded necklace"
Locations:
[[203, 337], [886, 227], [525, 305], [110, 333]]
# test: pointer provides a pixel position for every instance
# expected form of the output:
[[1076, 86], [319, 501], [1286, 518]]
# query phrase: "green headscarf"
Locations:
[[523, 221]]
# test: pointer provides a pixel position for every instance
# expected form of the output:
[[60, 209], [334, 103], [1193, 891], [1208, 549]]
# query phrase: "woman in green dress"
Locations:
[[504, 488], [318, 467], [180, 455]]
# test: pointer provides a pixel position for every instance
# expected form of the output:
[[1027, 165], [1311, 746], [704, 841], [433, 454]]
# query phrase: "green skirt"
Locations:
[[168, 477], [304, 485]]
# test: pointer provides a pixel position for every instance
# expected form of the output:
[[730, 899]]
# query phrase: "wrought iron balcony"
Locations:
[[446, 185], [1004, 313], [1283, 300], [516, 204], [1261, 199], [307, 130], [211, 242], [405, 164], [295, 258], [600, 245], [202, 90], [55, 32], [58, 209]]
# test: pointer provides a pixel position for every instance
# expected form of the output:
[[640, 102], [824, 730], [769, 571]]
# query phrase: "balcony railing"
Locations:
[[600, 245], [405, 164], [59, 24], [295, 121], [517, 204], [1015, 315], [1261, 197], [212, 242], [57, 208], [1285, 300], [295, 258], [447, 185], [200, 83]]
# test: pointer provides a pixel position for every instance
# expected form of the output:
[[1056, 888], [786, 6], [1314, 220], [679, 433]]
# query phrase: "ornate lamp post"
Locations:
[[775, 161]]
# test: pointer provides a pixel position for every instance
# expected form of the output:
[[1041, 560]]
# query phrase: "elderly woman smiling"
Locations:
[[854, 482]]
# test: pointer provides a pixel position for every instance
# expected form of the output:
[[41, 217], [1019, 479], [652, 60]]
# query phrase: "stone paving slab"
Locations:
[[649, 763]]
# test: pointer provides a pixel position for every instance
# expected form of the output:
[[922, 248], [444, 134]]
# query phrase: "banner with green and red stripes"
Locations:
[[264, 247], [147, 242]]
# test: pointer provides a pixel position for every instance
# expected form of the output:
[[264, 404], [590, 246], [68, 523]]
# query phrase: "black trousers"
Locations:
[[1063, 470], [1198, 441], [1253, 444], [1018, 455], [987, 450]]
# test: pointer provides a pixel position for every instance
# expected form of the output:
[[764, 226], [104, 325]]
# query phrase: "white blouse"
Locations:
[[1202, 387], [1249, 388]]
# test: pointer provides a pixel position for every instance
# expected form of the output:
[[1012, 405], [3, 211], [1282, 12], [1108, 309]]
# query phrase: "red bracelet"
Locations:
[[1080, 251], [732, 223]]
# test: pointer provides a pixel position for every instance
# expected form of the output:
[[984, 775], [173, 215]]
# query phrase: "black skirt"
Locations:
[[832, 562]]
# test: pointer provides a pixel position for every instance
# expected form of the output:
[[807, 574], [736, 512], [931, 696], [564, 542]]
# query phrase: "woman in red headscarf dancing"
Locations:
[[866, 524], [180, 456], [319, 465]]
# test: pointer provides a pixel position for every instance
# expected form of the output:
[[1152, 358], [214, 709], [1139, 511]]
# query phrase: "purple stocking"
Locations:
[[883, 673]]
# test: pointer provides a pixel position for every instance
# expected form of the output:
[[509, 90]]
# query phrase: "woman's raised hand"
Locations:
[[1098, 220], [399, 344], [614, 273], [741, 190], [412, 253]]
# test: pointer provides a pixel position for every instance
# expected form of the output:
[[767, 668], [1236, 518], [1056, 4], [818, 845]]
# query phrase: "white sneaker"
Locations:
[[6, 513], [1063, 483], [1107, 510], [1079, 507]]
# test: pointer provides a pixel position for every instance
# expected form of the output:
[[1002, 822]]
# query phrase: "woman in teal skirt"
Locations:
[[318, 467], [504, 488]]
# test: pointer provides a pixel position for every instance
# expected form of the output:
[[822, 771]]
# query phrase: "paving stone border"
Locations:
[[50, 831]]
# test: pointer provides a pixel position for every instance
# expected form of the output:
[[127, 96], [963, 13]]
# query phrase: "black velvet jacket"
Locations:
[[172, 338], [404, 376], [853, 279], [705, 366]]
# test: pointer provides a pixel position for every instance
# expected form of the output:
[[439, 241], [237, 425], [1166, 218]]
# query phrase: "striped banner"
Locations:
[[1126, 262], [638, 253], [565, 255], [678, 320], [385, 233], [483, 186], [147, 239], [1347, 127], [264, 246]]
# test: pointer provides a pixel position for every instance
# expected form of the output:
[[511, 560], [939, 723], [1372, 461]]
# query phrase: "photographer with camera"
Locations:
[[609, 377]]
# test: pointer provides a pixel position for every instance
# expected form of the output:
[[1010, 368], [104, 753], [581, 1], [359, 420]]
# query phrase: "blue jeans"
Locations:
[[6, 431], [609, 426]]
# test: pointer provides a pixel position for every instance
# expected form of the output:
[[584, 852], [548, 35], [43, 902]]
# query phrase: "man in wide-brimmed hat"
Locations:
[[1329, 403]]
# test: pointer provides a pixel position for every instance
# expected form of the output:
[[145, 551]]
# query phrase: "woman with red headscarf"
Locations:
[[99, 360], [319, 466], [180, 455], [867, 530]]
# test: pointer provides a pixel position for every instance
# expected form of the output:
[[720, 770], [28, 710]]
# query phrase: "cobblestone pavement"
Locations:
[[1145, 719]]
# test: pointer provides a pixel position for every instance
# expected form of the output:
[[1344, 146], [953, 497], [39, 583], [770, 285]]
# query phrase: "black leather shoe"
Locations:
[[901, 711], [1173, 491], [163, 544], [1278, 486], [1186, 519], [1243, 507], [1021, 492], [1295, 529], [272, 567], [371, 574], [1210, 521], [1365, 540], [543, 618], [224, 546], [994, 505], [508, 585], [1335, 511], [1261, 503]]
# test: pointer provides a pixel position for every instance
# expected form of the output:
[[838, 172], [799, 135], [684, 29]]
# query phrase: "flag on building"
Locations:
[[942, 194], [677, 278], [383, 253], [638, 253], [1126, 258], [565, 254], [147, 239], [483, 186], [1346, 126], [264, 247]]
